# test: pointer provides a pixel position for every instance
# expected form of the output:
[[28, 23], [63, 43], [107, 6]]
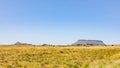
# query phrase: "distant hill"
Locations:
[[93, 42], [22, 44], [18, 43]]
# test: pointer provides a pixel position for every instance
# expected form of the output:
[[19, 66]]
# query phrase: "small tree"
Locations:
[[44, 45]]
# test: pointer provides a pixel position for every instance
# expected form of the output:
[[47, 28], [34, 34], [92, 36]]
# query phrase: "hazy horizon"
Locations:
[[59, 21]]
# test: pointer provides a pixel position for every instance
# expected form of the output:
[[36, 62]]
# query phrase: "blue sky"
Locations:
[[59, 21]]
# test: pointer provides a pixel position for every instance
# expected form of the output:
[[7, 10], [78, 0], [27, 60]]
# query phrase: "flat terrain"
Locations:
[[59, 57]]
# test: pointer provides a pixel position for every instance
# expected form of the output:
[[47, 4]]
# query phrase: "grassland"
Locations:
[[59, 57]]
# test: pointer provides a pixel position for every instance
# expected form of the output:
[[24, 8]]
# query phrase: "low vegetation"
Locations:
[[25, 56]]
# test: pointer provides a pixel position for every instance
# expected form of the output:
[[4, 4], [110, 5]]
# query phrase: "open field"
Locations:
[[59, 57]]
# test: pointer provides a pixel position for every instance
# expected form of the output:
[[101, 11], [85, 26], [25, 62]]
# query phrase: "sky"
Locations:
[[59, 21]]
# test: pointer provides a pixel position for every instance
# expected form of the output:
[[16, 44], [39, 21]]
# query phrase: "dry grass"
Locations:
[[59, 57]]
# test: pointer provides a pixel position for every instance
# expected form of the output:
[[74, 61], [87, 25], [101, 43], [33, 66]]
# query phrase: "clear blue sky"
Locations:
[[59, 21]]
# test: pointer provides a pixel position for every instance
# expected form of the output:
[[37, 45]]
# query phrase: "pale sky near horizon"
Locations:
[[59, 21]]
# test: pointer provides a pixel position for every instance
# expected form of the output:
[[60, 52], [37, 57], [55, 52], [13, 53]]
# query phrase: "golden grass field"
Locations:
[[59, 57]]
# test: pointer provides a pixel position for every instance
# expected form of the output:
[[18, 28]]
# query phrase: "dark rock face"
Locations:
[[94, 42]]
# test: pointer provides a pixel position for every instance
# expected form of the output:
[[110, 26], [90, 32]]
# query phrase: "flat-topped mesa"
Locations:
[[92, 42]]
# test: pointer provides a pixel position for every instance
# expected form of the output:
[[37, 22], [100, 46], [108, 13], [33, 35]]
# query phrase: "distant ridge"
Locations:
[[94, 42]]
